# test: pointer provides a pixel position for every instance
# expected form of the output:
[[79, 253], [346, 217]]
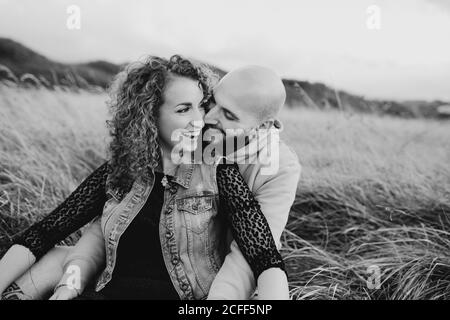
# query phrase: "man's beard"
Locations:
[[208, 126], [212, 138], [225, 140]]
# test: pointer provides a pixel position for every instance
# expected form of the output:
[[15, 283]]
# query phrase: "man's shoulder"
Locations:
[[287, 166], [287, 156]]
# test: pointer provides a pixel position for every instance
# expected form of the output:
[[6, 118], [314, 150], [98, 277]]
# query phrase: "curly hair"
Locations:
[[135, 97]]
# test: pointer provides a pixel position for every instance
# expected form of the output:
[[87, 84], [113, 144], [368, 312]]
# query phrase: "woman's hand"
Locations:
[[64, 292]]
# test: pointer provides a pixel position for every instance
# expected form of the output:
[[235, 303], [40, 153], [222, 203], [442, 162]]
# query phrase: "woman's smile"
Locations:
[[192, 134]]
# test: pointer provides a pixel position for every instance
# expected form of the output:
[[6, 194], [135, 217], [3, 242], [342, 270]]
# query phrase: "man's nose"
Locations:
[[211, 116]]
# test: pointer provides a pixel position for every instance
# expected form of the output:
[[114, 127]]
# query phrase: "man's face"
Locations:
[[226, 113], [229, 117]]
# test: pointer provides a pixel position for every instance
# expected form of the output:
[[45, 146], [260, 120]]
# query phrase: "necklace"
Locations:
[[164, 181]]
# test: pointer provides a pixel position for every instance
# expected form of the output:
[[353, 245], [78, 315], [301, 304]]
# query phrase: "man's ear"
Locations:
[[267, 124]]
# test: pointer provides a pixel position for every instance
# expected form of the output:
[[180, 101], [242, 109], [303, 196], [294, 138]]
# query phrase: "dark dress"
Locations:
[[140, 272]]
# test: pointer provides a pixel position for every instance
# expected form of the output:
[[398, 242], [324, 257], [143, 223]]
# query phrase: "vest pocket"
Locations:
[[197, 211]]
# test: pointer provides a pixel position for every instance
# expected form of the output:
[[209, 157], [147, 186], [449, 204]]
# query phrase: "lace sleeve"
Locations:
[[84, 204], [249, 225]]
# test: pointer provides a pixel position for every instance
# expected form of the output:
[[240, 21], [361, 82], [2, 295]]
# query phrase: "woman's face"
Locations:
[[180, 117]]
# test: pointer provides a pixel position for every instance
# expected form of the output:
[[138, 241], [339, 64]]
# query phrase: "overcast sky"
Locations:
[[317, 40]]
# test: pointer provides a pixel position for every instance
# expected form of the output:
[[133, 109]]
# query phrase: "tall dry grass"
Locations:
[[374, 195], [374, 192], [49, 142]]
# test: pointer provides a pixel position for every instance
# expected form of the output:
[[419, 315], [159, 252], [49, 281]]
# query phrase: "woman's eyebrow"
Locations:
[[189, 104]]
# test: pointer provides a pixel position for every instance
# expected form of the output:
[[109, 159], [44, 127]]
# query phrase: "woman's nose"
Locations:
[[197, 124], [197, 121]]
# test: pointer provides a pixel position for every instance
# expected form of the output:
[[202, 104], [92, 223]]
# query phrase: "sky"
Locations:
[[388, 49]]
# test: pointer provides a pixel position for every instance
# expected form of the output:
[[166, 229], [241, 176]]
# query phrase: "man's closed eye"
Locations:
[[229, 115]]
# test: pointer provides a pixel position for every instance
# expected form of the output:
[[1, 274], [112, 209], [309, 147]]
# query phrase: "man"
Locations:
[[250, 98]]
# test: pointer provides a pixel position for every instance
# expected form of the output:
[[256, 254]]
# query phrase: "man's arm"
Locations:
[[84, 261], [275, 194], [249, 226]]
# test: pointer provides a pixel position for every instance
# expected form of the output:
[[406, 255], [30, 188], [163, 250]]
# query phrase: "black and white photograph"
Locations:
[[254, 150]]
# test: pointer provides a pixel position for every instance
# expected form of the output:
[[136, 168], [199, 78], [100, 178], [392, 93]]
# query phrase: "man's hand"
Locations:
[[64, 293], [273, 285]]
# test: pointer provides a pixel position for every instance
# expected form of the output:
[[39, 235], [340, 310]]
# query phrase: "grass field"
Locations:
[[373, 199]]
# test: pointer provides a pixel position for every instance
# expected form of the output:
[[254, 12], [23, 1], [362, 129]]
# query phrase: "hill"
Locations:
[[18, 61], [22, 60]]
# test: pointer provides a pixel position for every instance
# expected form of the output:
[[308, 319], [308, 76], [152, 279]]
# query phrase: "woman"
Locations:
[[150, 204]]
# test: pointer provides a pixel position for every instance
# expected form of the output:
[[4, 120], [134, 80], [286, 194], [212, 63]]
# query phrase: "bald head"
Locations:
[[255, 90]]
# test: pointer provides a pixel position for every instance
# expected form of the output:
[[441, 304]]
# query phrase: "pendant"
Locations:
[[164, 181]]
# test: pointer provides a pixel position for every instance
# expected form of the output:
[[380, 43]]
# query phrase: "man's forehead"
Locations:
[[233, 99], [238, 107], [224, 98], [227, 87]]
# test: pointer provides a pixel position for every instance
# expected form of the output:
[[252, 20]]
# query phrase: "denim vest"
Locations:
[[191, 231]]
